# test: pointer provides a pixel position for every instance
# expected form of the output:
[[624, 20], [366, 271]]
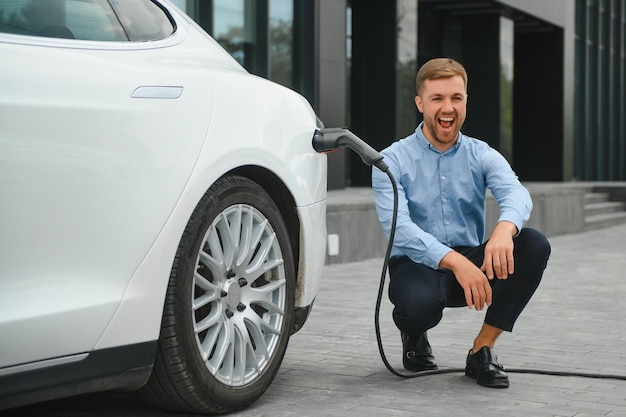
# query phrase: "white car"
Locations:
[[162, 212]]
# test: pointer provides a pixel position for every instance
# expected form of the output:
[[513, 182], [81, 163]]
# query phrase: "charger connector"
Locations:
[[333, 138]]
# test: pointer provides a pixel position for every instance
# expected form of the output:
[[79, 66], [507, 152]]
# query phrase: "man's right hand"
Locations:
[[474, 282]]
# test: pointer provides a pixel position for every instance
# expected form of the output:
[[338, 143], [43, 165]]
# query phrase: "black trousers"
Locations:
[[420, 294]]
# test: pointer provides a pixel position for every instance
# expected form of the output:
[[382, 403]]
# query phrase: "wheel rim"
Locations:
[[239, 295]]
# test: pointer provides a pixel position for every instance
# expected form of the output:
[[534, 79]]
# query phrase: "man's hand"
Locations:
[[471, 278], [498, 261]]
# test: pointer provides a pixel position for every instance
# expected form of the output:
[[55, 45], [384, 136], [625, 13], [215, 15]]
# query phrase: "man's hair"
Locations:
[[439, 68]]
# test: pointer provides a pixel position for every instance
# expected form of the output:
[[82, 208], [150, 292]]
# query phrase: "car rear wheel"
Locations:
[[229, 305]]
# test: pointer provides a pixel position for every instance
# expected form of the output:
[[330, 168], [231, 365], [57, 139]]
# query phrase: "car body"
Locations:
[[153, 192]]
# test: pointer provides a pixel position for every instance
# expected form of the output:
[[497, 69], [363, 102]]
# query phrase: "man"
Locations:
[[438, 257]]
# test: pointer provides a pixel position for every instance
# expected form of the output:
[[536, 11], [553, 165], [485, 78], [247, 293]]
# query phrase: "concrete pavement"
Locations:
[[575, 322]]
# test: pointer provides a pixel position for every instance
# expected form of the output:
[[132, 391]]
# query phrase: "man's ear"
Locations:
[[419, 104]]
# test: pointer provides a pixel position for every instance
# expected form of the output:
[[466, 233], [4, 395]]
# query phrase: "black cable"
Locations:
[[448, 370]]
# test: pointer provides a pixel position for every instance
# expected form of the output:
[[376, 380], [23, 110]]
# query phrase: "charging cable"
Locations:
[[326, 140]]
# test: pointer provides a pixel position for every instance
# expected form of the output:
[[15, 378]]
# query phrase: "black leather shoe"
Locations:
[[417, 355], [483, 366]]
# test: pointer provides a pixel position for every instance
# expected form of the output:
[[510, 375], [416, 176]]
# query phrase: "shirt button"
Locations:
[[443, 177], [444, 200], [447, 222]]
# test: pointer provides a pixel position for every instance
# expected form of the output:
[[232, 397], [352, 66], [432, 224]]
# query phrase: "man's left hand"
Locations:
[[498, 261]]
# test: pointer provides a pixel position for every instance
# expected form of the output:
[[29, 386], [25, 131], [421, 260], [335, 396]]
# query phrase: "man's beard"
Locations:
[[431, 125]]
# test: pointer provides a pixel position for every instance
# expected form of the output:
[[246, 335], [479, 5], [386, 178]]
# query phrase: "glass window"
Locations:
[[228, 26], [507, 28], [406, 66], [70, 19], [181, 4], [280, 44], [93, 20], [143, 20], [86, 19]]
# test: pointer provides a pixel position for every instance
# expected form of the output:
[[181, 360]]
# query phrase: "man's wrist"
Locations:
[[452, 260], [506, 225]]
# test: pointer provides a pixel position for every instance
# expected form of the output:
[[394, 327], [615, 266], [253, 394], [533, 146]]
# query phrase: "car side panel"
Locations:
[[88, 176]]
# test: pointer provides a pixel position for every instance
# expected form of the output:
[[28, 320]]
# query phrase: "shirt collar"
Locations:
[[421, 139]]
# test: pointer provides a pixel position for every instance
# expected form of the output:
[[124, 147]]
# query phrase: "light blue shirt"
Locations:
[[441, 196]]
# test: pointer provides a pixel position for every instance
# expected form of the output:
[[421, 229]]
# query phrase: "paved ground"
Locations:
[[575, 322]]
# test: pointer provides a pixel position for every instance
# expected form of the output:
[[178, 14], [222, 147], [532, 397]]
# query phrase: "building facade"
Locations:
[[600, 90], [546, 78]]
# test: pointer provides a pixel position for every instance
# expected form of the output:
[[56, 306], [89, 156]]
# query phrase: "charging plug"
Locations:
[[330, 139]]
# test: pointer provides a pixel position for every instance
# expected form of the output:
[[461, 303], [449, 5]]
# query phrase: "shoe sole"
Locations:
[[488, 384], [421, 369]]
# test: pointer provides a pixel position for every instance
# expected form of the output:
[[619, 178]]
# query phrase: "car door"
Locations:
[[98, 137]]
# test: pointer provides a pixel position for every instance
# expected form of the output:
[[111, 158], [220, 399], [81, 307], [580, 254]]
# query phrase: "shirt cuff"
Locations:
[[519, 223], [435, 254]]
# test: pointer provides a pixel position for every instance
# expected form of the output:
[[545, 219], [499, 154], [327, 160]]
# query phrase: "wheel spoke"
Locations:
[[211, 291], [264, 297], [214, 259], [260, 254], [204, 283], [269, 324], [246, 356], [224, 237], [246, 226], [255, 328], [252, 242], [268, 265], [209, 343], [234, 221], [271, 307], [215, 265], [264, 291], [237, 362], [207, 322], [222, 357]]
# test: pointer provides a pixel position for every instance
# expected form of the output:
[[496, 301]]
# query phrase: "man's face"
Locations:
[[443, 102]]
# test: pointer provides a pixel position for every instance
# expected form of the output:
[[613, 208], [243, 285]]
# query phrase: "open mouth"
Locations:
[[446, 122]]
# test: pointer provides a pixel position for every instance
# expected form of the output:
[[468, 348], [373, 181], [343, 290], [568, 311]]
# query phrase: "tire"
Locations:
[[229, 305]]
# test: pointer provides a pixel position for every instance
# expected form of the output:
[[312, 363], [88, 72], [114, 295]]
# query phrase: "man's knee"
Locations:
[[418, 315], [533, 243]]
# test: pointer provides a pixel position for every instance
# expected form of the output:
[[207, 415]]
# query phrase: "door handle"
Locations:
[[158, 91]]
